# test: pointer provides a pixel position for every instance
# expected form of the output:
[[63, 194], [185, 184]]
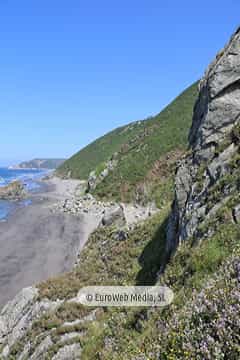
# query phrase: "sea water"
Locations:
[[29, 177]]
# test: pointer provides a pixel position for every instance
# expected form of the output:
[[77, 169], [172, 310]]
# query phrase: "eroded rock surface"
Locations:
[[18, 315], [114, 216], [207, 178]]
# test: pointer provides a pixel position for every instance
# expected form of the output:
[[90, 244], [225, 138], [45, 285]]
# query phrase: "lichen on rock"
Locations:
[[213, 148]]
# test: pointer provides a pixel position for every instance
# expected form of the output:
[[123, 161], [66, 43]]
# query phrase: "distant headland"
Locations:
[[48, 164]]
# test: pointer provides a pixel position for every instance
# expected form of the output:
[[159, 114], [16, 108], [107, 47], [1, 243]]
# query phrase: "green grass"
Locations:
[[139, 330], [133, 261], [164, 133], [98, 152], [147, 154], [137, 260], [139, 145]]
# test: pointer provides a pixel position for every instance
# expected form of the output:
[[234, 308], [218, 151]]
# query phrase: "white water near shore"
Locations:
[[30, 179]]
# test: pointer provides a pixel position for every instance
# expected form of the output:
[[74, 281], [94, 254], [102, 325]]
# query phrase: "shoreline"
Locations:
[[44, 239], [32, 185], [38, 243]]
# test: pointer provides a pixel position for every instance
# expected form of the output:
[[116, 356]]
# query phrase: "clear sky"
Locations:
[[72, 70]]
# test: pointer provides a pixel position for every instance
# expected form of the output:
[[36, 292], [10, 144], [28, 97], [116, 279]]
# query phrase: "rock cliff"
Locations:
[[207, 178]]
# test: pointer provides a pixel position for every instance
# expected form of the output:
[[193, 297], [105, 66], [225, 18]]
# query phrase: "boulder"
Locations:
[[68, 352], [114, 216], [92, 181], [104, 174]]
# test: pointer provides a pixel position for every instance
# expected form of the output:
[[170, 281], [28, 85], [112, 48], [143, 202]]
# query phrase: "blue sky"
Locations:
[[73, 70]]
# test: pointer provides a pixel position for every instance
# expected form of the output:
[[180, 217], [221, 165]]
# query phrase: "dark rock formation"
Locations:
[[13, 191]]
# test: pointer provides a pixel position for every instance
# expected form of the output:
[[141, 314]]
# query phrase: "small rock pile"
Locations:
[[109, 213], [79, 205]]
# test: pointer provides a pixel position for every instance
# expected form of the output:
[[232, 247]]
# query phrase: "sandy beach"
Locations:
[[37, 243]]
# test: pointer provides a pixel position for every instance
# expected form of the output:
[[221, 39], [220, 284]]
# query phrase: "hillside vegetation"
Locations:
[[203, 292], [138, 145]]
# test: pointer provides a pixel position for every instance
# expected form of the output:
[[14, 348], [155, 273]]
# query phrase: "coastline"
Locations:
[[38, 243], [44, 239]]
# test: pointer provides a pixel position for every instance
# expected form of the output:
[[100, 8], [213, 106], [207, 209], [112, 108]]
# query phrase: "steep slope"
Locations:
[[81, 164], [136, 148], [207, 181], [138, 161]]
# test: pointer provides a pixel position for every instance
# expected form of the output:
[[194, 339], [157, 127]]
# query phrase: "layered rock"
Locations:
[[17, 318], [207, 178]]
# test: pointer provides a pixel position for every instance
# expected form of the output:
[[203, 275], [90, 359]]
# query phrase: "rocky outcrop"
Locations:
[[17, 318], [114, 216], [14, 191], [98, 175], [17, 321], [68, 352], [108, 213], [236, 214], [207, 178]]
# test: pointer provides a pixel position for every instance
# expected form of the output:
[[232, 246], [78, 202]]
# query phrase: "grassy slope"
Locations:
[[162, 134], [86, 160], [150, 332], [139, 145]]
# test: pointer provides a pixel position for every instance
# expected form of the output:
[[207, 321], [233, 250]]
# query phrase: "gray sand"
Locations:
[[36, 244]]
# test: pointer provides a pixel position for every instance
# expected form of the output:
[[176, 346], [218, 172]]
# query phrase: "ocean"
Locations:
[[29, 177]]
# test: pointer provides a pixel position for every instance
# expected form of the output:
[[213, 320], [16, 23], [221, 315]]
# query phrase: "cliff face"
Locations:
[[207, 178]]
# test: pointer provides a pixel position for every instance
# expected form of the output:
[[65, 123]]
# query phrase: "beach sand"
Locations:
[[36, 243]]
